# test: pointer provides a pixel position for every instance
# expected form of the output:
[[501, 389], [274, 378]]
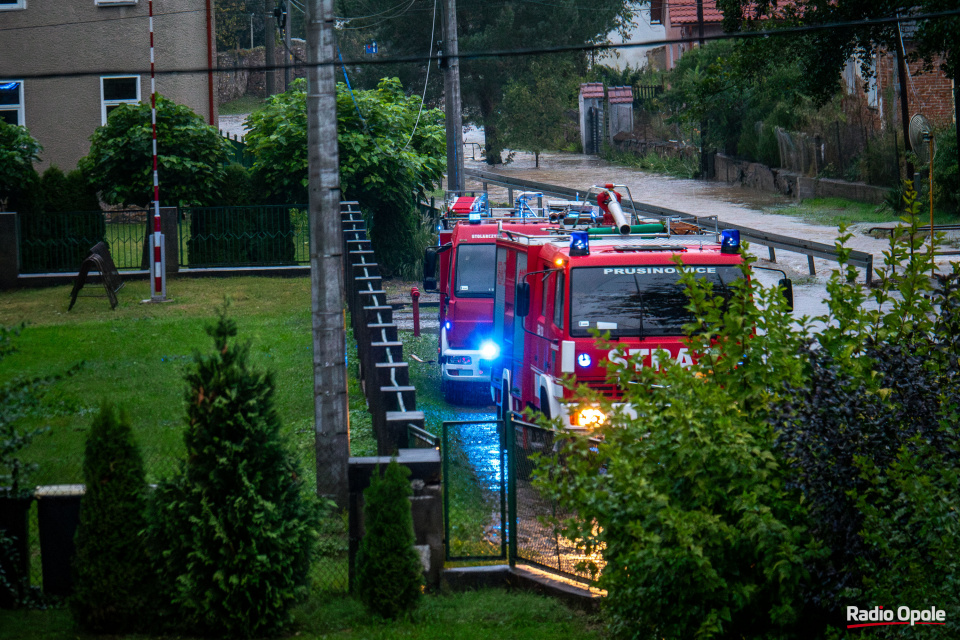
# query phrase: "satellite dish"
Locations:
[[920, 136]]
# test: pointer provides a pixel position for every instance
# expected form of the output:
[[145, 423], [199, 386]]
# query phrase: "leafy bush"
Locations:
[[699, 533], [113, 576], [191, 155], [238, 187], [788, 472], [64, 192], [946, 174], [389, 574], [385, 164], [235, 531], [18, 152]]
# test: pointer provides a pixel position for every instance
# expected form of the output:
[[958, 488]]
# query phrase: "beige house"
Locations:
[[65, 64]]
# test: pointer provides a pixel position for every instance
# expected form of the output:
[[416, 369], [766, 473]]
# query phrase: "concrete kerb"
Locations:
[[571, 592]]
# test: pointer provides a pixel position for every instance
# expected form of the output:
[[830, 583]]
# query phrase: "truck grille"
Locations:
[[610, 390]]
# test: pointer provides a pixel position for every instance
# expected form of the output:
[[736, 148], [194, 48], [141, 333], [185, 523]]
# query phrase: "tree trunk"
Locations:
[[491, 145], [536, 155]]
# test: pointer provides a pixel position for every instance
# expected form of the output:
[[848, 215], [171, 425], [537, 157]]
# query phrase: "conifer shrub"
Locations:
[[234, 532], [112, 592], [389, 575]]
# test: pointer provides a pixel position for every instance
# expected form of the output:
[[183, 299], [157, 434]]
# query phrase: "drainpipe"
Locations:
[[210, 105]]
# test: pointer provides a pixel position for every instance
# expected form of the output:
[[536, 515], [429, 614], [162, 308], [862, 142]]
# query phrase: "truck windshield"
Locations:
[[640, 301], [476, 270]]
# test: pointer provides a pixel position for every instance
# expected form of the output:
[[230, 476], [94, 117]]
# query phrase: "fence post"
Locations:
[[9, 250], [511, 486]]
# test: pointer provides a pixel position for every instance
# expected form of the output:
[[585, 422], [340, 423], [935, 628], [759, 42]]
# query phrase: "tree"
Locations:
[[823, 53], [235, 531], [111, 568], [482, 27], [234, 18], [191, 155], [535, 115], [389, 574], [18, 152], [388, 160]]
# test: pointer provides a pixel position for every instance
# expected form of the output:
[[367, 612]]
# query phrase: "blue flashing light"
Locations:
[[489, 350], [448, 325], [579, 243], [730, 241], [474, 217], [584, 360]]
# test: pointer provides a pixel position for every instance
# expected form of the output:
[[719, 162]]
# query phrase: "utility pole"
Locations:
[[269, 57], [451, 89], [288, 53], [331, 417], [703, 121], [904, 105]]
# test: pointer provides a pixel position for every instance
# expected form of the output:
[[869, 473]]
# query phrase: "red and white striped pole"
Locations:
[[159, 277]]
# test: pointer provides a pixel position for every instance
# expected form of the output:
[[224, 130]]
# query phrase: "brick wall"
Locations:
[[929, 93]]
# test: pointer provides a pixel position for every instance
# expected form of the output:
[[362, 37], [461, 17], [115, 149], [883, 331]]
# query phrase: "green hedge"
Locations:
[[236, 236]]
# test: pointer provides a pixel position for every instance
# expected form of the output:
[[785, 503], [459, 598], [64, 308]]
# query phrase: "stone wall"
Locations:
[[758, 176], [243, 82]]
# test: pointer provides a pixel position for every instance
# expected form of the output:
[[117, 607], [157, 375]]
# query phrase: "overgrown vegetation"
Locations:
[[789, 472], [682, 166], [114, 591], [389, 573]]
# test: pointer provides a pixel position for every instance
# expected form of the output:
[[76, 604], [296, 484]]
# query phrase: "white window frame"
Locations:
[[108, 3], [104, 103], [19, 107], [16, 5]]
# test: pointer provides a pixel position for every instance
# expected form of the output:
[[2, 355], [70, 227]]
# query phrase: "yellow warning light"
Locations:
[[558, 262]]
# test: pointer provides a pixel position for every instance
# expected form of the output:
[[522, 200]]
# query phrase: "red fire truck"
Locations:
[[552, 291], [465, 256]]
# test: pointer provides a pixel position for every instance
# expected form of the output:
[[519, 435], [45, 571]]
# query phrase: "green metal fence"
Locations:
[[237, 151], [261, 235], [59, 242], [492, 510]]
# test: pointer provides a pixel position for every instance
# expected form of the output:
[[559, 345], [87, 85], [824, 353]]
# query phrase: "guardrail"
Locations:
[[772, 241]]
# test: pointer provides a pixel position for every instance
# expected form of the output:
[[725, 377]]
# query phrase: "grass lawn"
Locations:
[[479, 615], [240, 106], [833, 211], [135, 356]]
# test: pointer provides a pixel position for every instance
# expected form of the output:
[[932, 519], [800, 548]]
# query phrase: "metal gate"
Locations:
[[492, 511]]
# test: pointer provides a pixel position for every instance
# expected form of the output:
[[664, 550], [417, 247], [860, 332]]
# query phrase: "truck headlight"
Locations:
[[590, 418], [489, 350]]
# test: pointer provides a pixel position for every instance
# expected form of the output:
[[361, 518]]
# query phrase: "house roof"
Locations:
[[620, 95], [591, 90], [685, 11]]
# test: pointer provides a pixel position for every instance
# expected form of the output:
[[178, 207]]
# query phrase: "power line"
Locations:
[[513, 53]]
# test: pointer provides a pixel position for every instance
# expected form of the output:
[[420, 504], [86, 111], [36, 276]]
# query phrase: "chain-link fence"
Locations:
[[474, 490], [538, 540], [482, 503]]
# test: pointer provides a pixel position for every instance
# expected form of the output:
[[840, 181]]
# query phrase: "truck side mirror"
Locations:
[[786, 284], [430, 269], [521, 306]]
